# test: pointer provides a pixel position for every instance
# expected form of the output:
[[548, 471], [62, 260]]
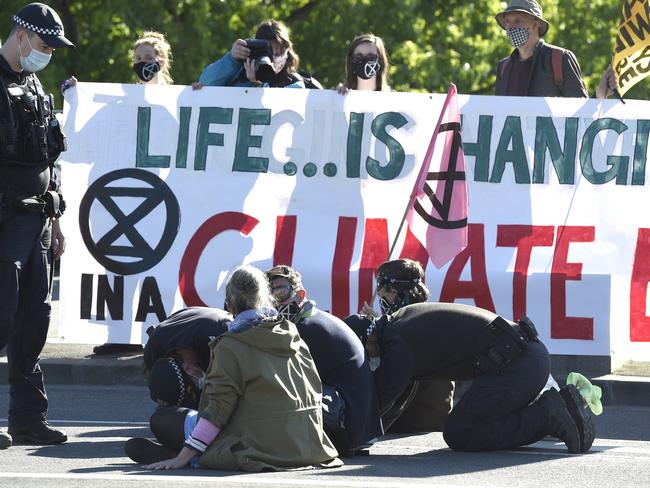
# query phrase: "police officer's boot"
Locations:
[[559, 422], [5, 440], [581, 414], [38, 434]]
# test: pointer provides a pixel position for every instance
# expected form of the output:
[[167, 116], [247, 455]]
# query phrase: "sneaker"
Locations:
[[559, 422], [581, 414], [5, 440], [146, 451], [39, 434]]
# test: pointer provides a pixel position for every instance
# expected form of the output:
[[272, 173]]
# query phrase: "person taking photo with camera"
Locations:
[[268, 60]]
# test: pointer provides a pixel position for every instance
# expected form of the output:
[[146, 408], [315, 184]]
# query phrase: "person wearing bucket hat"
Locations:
[[30, 204], [535, 68]]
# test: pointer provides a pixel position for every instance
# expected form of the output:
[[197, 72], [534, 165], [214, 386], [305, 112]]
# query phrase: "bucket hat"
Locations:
[[530, 7]]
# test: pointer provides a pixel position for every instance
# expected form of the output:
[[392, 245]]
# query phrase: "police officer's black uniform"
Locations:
[[509, 367], [190, 328], [340, 360], [30, 142]]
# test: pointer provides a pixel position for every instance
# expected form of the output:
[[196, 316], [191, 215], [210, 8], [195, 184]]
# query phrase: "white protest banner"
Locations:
[[169, 188]]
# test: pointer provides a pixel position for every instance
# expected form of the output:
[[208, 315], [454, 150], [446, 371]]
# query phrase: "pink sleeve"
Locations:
[[205, 431]]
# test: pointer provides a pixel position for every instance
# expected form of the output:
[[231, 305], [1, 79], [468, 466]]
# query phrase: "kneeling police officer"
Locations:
[[30, 204], [507, 362]]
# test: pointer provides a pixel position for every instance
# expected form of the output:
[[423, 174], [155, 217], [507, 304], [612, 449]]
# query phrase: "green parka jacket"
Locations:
[[262, 389]]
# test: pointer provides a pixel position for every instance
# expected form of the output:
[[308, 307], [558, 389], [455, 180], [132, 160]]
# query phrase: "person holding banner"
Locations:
[[238, 66], [260, 408], [607, 84], [366, 65], [400, 282], [507, 363], [535, 69], [340, 361], [152, 60], [31, 140]]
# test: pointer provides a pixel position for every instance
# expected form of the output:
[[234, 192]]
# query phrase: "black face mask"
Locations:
[[289, 311], [366, 68], [146, 71]]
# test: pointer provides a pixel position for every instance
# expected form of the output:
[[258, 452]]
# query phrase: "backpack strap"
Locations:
[[557, 55], [503, 64]]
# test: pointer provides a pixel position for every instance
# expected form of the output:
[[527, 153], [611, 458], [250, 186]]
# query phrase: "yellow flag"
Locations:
[[631, 60]]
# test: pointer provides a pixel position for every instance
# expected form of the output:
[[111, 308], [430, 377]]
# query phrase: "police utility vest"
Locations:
[[30, 134]]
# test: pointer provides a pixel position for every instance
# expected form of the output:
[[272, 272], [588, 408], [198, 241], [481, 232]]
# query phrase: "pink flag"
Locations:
[[438, 208]]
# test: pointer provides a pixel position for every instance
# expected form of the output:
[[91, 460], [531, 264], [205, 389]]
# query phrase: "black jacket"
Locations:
[[192, 328], [340, 361], [25, 179], [429, 341], [542, 82]]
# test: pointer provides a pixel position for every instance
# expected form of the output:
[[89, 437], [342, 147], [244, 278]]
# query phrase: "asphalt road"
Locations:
[[99, 420]]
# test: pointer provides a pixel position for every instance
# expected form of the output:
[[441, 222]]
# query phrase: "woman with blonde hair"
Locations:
[[366, 65], [152, 59]]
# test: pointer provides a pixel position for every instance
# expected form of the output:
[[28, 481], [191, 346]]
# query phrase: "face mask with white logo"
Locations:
[[146, 71], [36, 60], [366, 68], [518, 36]]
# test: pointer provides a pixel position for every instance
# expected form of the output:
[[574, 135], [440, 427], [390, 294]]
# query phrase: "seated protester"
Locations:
[[340, 360], [400, 282], [260, 408], [504, 407], [177, 354], [238, 68]]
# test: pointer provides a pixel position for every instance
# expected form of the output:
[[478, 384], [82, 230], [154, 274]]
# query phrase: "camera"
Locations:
[[262, 56]]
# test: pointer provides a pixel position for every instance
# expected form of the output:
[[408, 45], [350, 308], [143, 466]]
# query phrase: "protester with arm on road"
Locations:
[[260, 408]]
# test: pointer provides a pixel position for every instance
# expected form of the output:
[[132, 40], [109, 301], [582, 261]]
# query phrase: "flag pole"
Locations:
[[394, 243], [421, 174]]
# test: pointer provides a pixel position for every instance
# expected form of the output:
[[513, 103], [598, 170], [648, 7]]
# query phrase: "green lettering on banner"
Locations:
[[517, 155], [640, 152], [395, 149], [248, 117], [183, 136], [355, 137], [481, 148], [563, 161], [205, 138], [617, 164], [142, 157]]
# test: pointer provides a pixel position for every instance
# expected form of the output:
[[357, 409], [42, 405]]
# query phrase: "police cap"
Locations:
[[44, 21]]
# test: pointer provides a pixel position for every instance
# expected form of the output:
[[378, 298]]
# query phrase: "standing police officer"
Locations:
[[30, 204]]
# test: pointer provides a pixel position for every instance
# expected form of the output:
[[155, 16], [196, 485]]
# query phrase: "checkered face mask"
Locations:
[[518, 36]]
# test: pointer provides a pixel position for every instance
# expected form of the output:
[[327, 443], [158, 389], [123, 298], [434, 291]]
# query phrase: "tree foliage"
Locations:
[[430, 43]]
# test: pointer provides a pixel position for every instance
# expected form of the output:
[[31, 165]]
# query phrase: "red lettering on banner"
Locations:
[[413, 249], [524, 238], [639, 321], [375, 252], [478, 288], [212, 227], [285, 239], [341, 266], [563, 327]]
